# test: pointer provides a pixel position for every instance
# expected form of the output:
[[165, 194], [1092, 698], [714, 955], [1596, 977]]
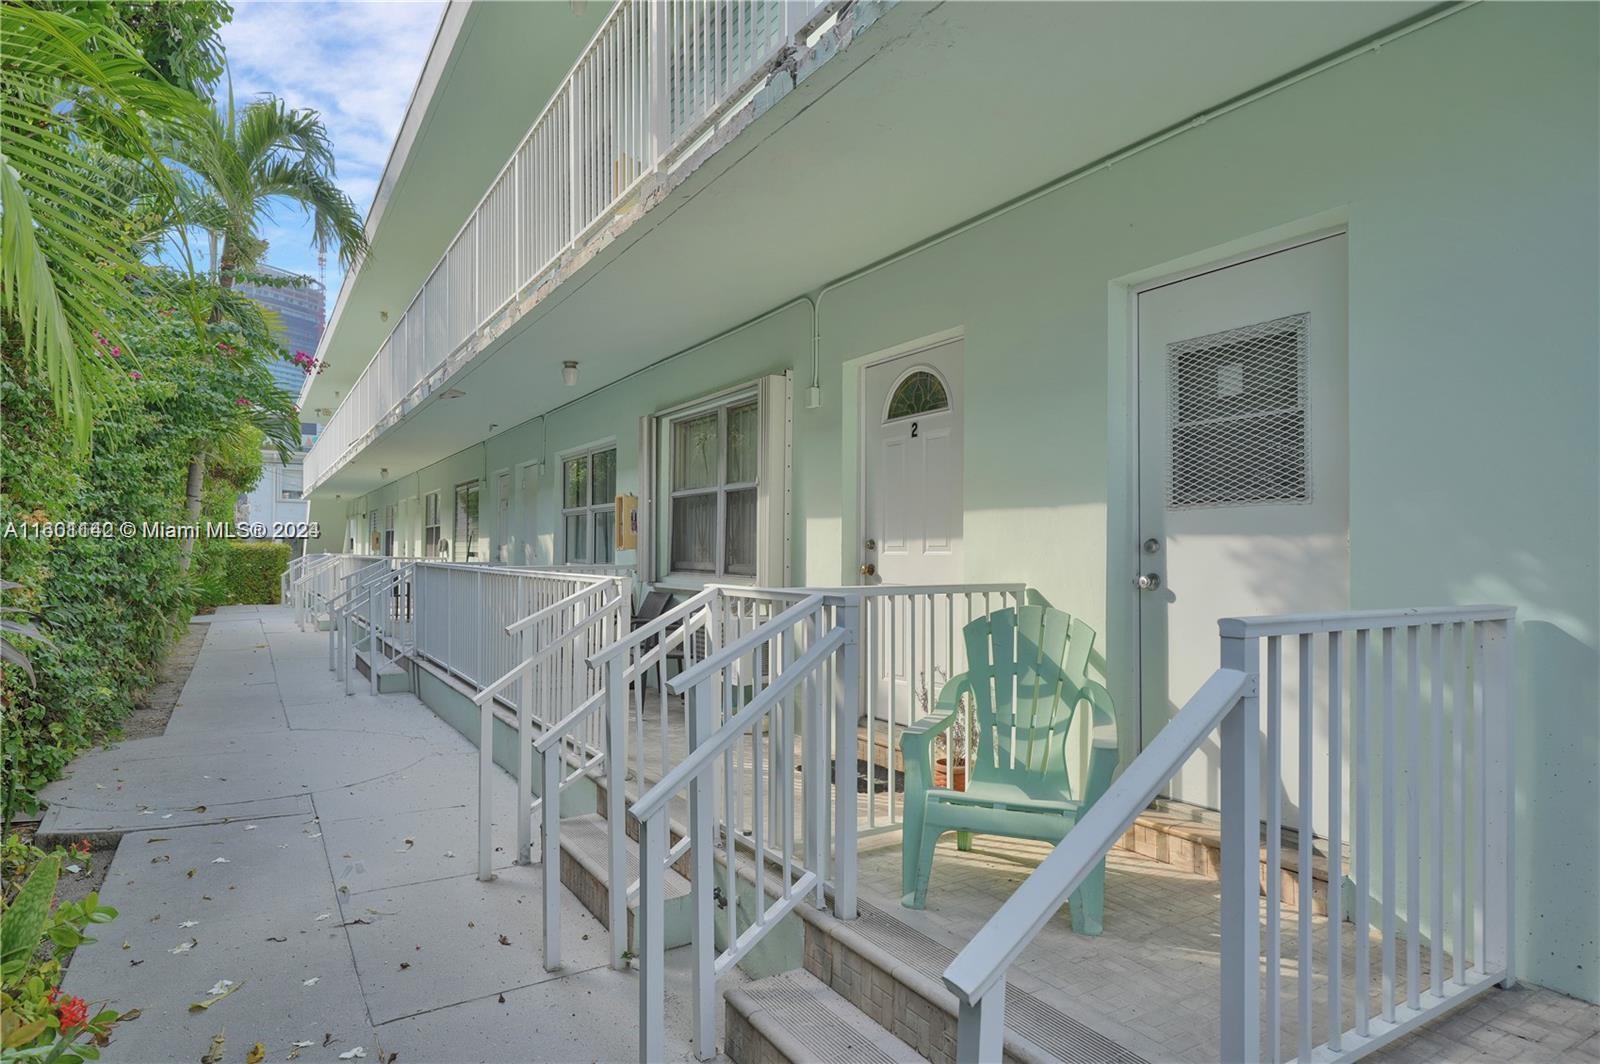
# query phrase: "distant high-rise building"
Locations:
[[275, 502], [301, 314]]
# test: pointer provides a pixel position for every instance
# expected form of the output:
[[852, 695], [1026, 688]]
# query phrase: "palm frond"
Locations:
[[74, 97]]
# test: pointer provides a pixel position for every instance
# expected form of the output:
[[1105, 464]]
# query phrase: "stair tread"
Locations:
[[585, 838], [796, 1011], [1027, 1016]]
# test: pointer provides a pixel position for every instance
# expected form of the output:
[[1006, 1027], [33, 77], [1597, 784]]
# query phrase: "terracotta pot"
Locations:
[[944, 776]]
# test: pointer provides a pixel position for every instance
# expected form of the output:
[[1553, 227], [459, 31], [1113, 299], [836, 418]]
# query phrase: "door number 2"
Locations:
[[913, 430]]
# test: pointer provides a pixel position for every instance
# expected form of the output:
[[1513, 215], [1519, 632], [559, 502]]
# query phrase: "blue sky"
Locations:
[[356, 63]]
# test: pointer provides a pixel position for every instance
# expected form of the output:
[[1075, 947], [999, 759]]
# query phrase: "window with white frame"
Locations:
[[388, 531], [374, 535], [714, 464], [290, 479], [467, 546], [588, 497], [431, 528]]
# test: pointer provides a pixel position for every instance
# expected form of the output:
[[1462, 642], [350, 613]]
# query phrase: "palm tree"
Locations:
[[77, 106], [244, 162], [240, 165]]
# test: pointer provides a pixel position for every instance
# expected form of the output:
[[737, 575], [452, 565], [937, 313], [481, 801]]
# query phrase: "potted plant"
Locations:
[[950, 768]]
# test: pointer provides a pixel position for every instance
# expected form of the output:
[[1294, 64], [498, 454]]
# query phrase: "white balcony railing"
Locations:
[[1420, 825], [649, 85]]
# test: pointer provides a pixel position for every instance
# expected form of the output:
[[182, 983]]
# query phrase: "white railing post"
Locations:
[[981, 1027], [1241, 859], [616, 804], [652, 939], [814, 776], [659, 82], [485, 790], [525, 760], [847, 707], [701, 720], [550, 854], [1494, 651], [373, 652]]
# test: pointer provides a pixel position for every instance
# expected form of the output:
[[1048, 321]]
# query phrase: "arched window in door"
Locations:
[[920, 391]]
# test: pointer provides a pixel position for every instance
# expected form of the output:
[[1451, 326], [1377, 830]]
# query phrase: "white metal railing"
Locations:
[[911, 648], [462, 611], [318, 581], [652, 81], [620, 718], [791, 679], [1447, 782], [374, 612], [551, 677]]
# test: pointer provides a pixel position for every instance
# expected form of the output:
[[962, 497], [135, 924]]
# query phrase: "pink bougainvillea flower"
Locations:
[[241, 401], [116, 352], [135, 375]]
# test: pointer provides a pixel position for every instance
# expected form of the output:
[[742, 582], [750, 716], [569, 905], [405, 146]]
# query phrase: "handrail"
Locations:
[[984, 961], [490, 690], [743, 645], [652, 801], [1307, 623], [655, 627], [556, 607]]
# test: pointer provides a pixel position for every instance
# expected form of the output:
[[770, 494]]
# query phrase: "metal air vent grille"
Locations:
[[1238, 417]]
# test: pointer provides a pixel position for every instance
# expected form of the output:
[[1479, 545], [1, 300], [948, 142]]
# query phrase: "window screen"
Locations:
[[1238, 417]]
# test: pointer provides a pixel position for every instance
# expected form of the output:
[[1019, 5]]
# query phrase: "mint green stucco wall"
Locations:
[[1463, 160]]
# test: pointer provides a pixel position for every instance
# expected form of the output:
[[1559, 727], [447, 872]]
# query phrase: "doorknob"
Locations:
[[1147, 581], [868, 569]]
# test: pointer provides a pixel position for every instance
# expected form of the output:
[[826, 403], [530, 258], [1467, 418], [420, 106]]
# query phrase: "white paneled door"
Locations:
[[1243, 473], [911, 532]]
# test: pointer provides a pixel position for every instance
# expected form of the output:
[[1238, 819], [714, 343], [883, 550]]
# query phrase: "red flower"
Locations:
[[51, 996], [74, 1012], [82, 846], [136, 375]]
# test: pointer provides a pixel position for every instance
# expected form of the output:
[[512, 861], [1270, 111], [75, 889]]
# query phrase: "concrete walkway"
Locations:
[[317, 851]]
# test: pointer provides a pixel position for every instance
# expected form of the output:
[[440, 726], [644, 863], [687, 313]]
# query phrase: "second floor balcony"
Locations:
[[654, 89]]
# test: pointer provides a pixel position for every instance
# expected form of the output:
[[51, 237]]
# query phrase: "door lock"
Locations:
[[868, 569], [872, 544], [1147, 581], [1152, 545]]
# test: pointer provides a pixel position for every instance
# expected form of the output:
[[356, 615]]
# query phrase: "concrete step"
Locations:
[[583, 871], [392, 678], [1190, 838], [797, 1017], [891, 972], [324, 622]]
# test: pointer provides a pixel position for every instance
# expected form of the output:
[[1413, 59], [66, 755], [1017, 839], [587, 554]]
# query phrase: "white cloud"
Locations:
[[356, 63]]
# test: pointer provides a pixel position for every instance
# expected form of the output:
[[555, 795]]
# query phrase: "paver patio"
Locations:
[[319, 847]]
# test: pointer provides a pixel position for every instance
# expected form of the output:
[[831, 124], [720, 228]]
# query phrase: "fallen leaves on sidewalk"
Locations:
[[257, 1054], [310, 982], [185, 947], [353, 1054], [222, 989], [218, 1044]]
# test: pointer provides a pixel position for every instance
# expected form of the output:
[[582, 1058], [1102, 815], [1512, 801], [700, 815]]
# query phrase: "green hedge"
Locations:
[[252, 571]]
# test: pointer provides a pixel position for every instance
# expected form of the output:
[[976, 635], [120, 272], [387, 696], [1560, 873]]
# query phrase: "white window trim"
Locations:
[[437, 526], [455, 496], [588, 511], [720, 405]]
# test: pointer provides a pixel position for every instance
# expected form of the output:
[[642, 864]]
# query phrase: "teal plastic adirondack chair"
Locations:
[[1025, 678]]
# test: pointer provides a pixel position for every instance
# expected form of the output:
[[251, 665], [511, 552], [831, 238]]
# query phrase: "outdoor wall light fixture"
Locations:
[[569, 373]]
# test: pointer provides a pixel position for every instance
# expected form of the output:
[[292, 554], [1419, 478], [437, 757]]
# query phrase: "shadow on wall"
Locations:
[[1558, 845]]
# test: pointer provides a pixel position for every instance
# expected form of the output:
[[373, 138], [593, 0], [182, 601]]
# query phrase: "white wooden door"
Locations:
[[1243, 472], [911, 533]]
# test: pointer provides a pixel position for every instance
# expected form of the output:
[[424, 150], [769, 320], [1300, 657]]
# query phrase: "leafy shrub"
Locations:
[[110, 605], [252, 571], [36, 1019]]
